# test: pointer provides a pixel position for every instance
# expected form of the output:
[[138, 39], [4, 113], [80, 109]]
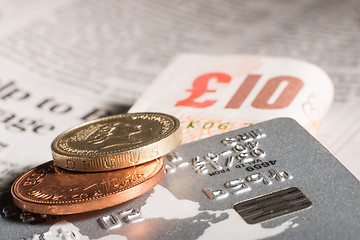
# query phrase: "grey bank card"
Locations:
[[272, 180]]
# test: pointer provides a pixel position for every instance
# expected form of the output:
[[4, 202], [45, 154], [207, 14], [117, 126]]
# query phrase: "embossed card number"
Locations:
[[247, 150]]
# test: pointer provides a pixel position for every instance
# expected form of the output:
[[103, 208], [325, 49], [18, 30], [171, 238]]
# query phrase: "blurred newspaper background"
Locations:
[[65, 62]]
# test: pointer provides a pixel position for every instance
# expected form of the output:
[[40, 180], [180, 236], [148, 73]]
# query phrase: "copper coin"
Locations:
[[48, 189], [116, 142]]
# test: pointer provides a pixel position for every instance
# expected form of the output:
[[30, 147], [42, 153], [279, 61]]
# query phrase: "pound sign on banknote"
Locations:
[[199, 87]]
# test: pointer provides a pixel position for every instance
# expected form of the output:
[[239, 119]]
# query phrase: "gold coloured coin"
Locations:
[[48, 189], [116, 142]]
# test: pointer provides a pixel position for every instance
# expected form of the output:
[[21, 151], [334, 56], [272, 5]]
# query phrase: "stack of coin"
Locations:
[[100, 164]]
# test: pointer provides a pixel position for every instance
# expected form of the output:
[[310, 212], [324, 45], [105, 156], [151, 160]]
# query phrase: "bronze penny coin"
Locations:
[[116, 142], [48, 189]]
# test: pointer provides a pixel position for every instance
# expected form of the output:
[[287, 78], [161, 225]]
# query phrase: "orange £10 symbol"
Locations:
[[261, 101]]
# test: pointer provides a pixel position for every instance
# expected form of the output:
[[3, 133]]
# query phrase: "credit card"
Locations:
[[271, 180]]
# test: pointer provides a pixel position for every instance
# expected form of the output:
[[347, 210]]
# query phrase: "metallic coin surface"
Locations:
[[116, 142], [48, 189]]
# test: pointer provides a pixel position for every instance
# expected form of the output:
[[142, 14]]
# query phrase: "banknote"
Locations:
[[271, 180], [215, 94]]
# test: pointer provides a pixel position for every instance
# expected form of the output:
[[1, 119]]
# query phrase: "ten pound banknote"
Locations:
[[215, 94]]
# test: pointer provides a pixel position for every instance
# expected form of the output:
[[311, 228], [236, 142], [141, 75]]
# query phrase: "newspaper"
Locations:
[[120, 46], [104, 55]]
